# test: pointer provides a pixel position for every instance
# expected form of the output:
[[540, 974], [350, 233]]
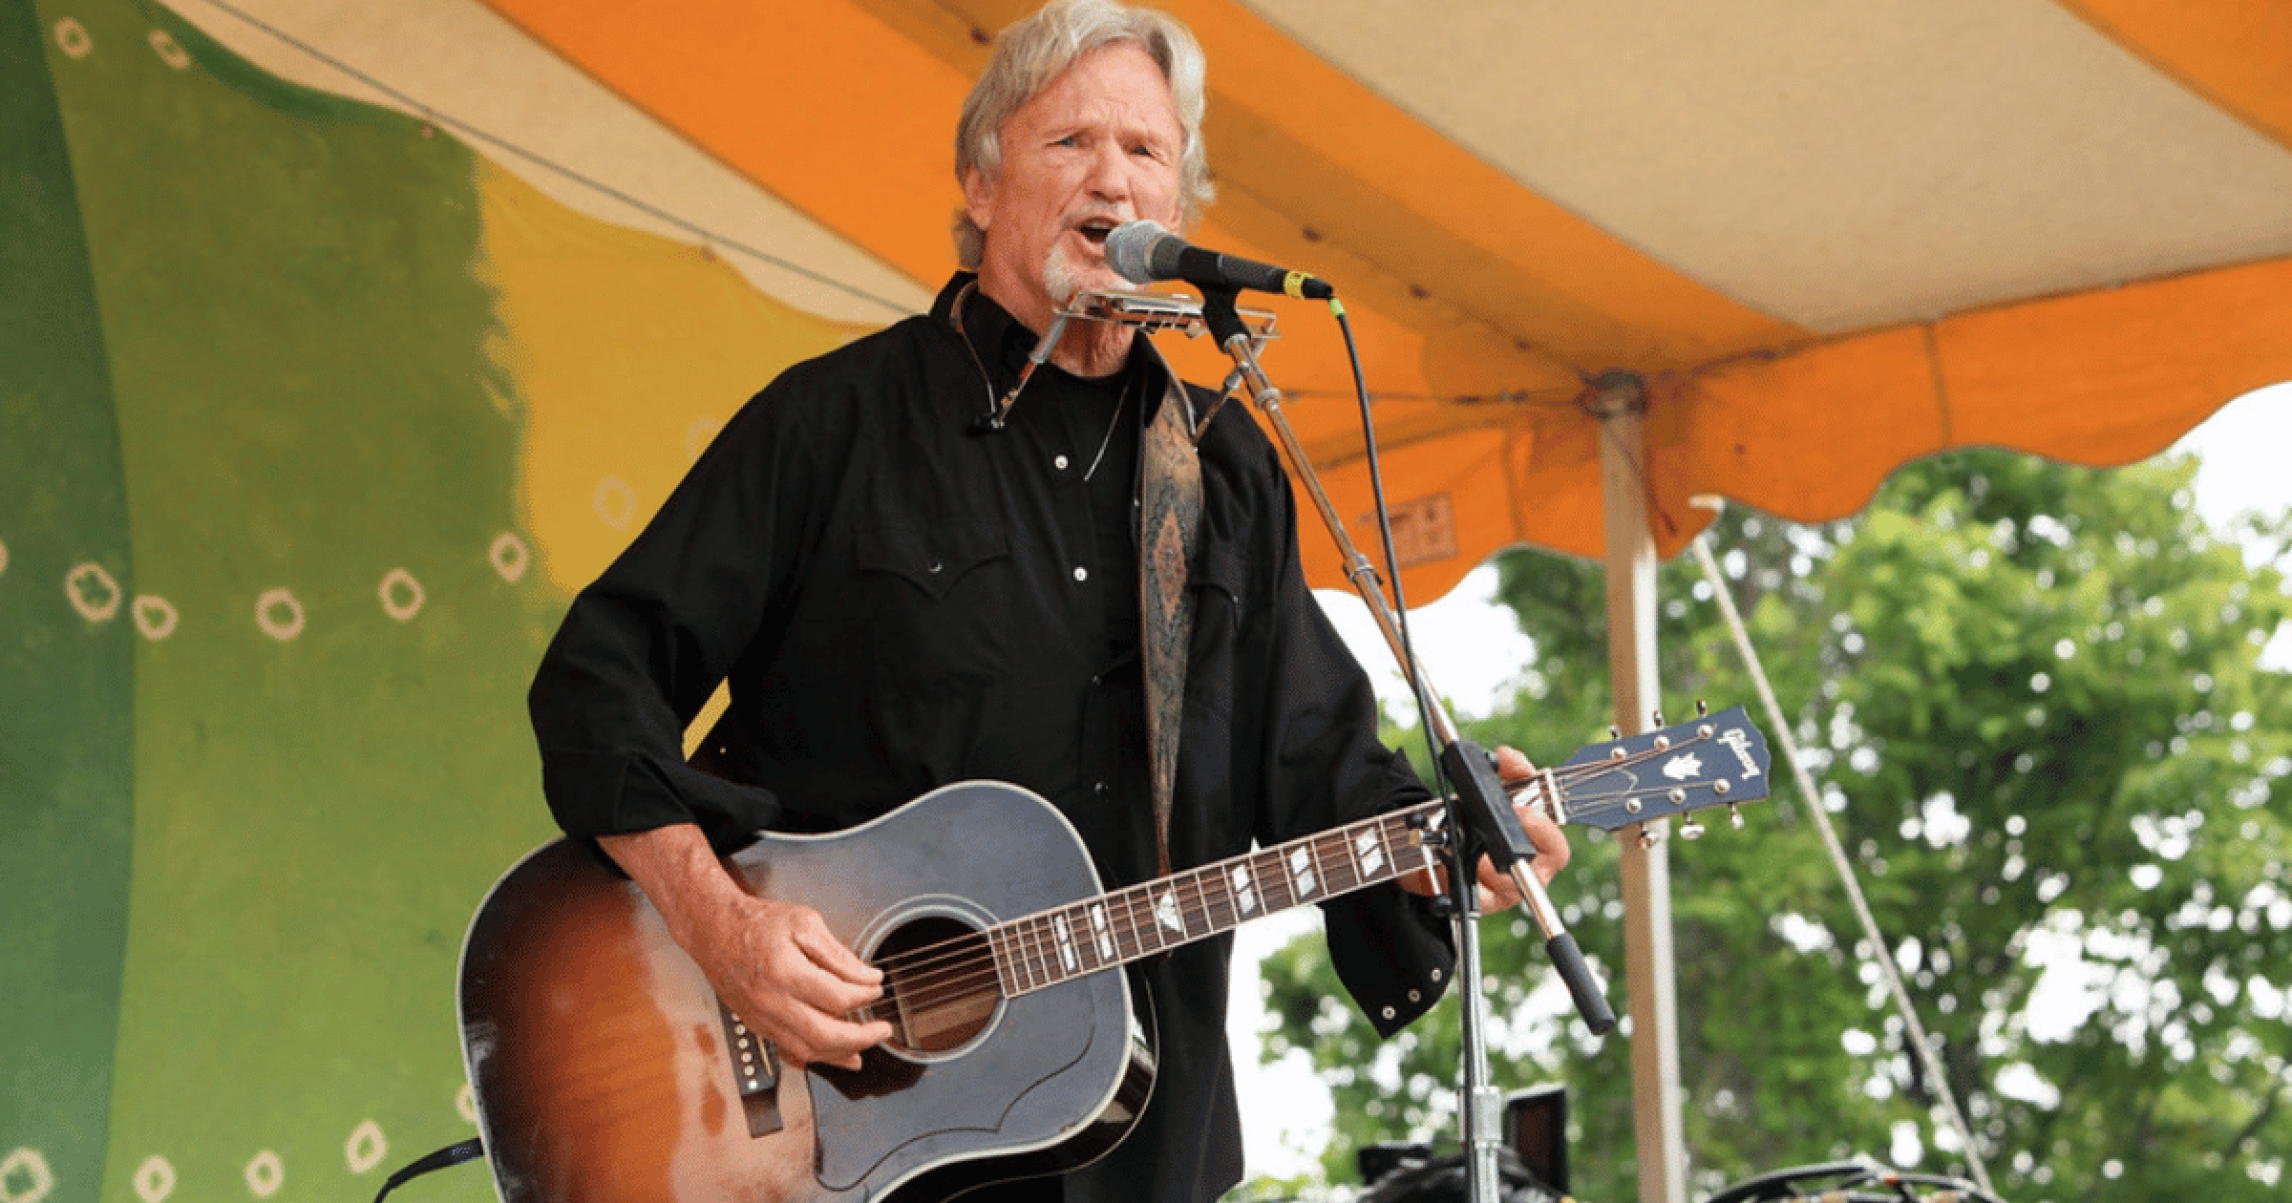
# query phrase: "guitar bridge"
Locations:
[[755, 1073]]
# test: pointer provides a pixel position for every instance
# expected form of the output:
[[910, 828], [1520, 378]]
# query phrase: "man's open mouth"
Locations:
[[1095, 229]]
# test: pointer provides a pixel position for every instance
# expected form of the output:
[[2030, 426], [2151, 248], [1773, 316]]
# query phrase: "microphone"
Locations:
[[1143, 252]]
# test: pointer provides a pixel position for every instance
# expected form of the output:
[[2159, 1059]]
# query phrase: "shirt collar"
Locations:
[[1003, 341], [994, 334]]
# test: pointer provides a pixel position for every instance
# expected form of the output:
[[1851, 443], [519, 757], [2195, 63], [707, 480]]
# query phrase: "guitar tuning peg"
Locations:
[[1615, 732], [1735, 815], [1702, 708], [1650, 835], [1692, 829], [1659, 717]]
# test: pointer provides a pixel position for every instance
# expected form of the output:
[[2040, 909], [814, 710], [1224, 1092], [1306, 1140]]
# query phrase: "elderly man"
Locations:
[[902, 597]]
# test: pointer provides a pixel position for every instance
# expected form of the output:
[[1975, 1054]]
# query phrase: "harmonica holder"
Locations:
[[1147, 311]]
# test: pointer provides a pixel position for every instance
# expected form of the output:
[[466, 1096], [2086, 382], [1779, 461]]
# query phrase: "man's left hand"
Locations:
[[1498, 892]]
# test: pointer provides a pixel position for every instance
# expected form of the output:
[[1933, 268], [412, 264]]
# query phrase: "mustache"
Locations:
[[1074, 218]]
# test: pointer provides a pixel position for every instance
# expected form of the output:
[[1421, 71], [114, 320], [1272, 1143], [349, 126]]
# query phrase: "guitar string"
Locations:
[[974, 956], [965, 964], [972, 968], [1131, 912], [1134, 904], [973, 961], [1335, 868]]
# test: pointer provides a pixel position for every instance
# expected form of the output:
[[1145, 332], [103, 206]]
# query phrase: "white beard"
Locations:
[[1061, 279], [1094, 348]]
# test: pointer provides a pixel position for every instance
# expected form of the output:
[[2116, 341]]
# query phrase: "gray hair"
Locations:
[[1035, 51]]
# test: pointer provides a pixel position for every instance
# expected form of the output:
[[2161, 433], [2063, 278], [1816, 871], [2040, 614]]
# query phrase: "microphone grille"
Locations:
[[1130, 250]]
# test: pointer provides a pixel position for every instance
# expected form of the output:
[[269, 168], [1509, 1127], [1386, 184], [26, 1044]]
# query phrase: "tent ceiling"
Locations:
[[1837, 166], [541, 117], [1831, 237]]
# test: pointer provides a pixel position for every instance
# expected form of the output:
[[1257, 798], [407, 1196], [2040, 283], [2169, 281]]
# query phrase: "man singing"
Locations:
[[902, 596]]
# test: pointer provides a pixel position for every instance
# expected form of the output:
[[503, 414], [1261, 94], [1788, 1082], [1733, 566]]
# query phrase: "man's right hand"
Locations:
[[774, 963]]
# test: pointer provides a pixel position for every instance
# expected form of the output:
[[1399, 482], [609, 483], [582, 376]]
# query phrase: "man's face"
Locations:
[[1099, 147]]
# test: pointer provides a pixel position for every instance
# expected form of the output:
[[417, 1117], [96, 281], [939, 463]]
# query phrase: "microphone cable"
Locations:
[[1411, 668]]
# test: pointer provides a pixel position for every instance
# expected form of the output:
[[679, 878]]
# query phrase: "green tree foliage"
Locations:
[[2033, 693]]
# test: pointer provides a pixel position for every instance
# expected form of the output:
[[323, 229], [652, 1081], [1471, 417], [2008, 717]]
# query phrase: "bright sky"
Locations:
[[1471, 649]]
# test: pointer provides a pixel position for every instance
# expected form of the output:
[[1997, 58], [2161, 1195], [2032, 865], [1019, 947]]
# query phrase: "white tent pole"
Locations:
[[1619, 401]]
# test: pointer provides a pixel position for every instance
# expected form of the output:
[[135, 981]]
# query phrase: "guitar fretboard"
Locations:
[[1059, 945], [1717, 759]]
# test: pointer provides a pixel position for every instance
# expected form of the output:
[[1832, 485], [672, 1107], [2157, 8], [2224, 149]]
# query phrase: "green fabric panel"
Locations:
[[331, 761], [66, 679]]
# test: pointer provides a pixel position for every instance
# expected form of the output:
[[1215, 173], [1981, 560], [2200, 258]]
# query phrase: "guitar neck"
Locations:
[[1059, 945], [1715, 760]]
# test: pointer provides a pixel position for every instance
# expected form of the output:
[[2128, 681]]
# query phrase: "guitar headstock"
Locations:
[[1715, 760]]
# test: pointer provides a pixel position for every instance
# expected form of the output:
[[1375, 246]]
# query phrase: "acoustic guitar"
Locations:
[[606, 1070]]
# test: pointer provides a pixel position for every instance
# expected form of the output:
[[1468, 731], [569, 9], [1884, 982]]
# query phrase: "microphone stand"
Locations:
[[1481, 814]]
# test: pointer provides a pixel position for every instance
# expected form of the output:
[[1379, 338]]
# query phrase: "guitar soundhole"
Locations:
[[940, 987]]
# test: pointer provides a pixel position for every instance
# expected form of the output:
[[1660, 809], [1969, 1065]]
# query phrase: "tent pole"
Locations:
[[1619, 400]]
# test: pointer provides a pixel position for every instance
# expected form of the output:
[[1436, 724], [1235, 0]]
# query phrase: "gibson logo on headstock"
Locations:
[[1740, 741]]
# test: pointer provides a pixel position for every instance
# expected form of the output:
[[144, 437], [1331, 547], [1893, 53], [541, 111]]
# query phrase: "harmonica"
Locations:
[[1152, 311]]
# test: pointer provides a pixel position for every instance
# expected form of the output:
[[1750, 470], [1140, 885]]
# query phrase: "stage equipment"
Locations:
[[1856, 1181]]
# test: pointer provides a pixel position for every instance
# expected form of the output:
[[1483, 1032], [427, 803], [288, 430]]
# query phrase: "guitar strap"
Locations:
[[1169, 528]]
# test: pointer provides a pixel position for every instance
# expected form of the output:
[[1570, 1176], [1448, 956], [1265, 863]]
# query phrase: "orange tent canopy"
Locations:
[[1822, 240], [1828, 242]]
